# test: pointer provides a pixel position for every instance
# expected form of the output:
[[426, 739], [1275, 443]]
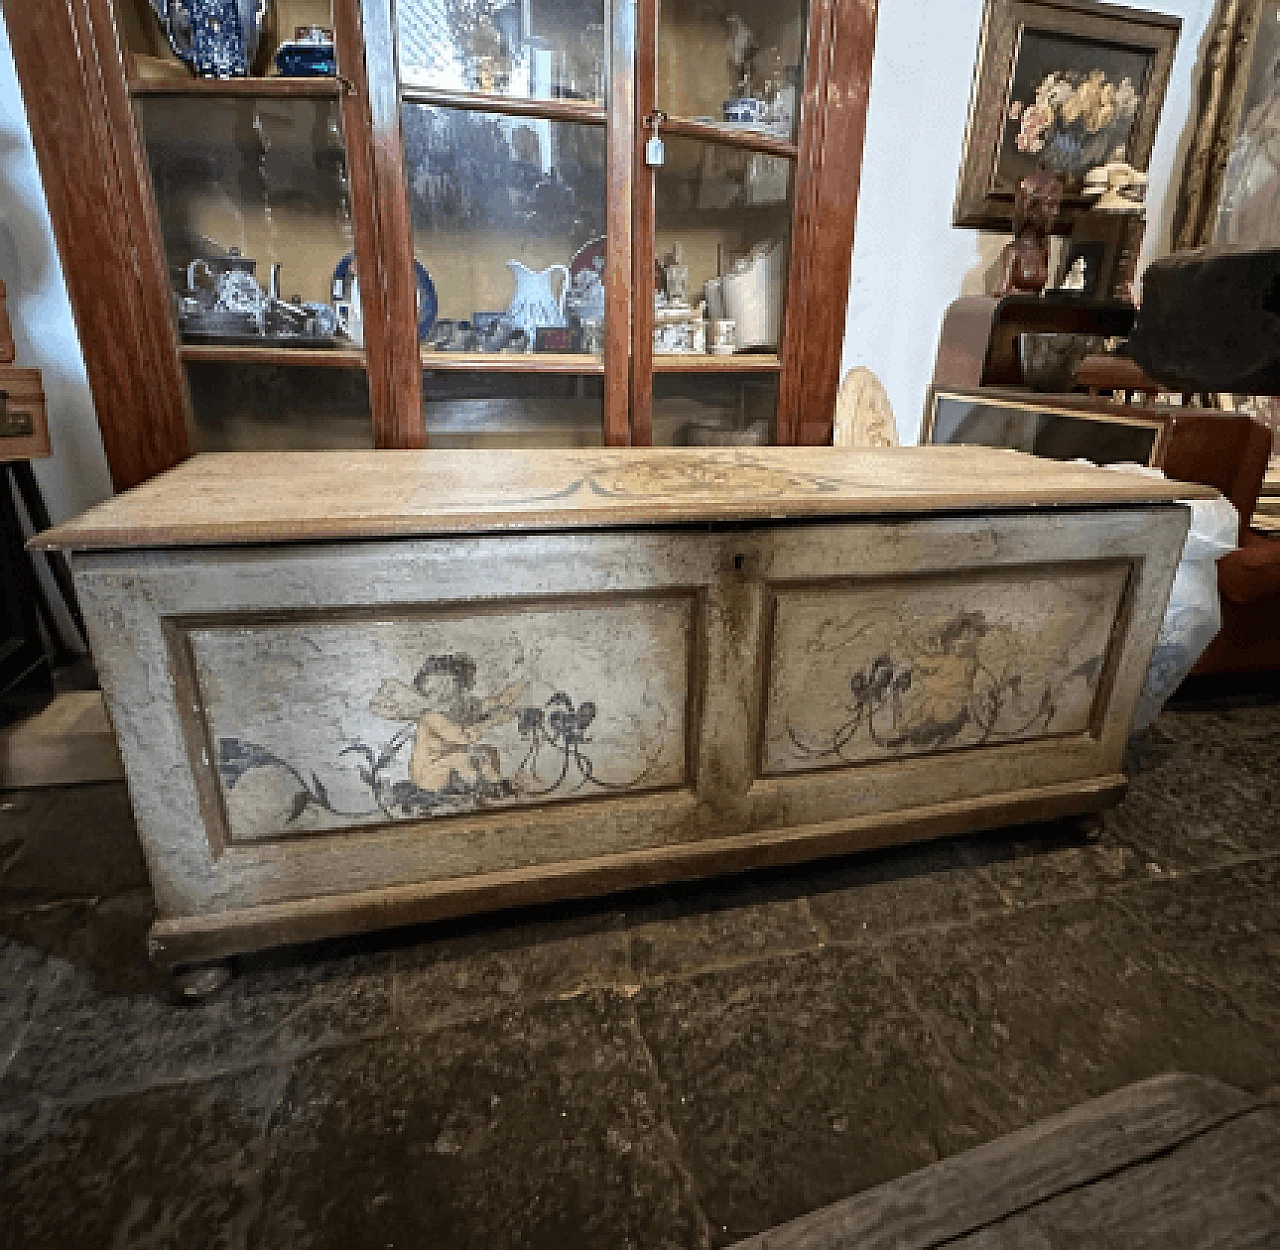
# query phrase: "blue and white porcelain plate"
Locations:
[[428, 301]]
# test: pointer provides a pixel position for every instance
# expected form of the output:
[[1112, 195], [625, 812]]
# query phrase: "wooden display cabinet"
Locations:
[[465, 138]]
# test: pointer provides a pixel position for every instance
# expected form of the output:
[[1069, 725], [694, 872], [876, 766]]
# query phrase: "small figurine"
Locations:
[[676, 275], [744, 108], [742, 53], [1116, 188], [1024, 263]]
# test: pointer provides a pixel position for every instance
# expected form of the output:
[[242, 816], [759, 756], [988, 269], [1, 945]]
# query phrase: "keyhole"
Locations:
[[738, 562]]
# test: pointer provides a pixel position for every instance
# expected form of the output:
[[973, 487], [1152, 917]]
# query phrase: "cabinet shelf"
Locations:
[[245, 354], [546, 362], [731, 136], [746, 362], [180, 83], [471, 362], [523, 362]]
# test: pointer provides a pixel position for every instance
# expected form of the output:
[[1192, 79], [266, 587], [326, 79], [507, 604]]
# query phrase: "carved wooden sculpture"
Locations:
[[1024, 263]]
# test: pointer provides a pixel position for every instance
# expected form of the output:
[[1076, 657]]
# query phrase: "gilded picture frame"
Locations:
[[1069, 84], [1243, 50]]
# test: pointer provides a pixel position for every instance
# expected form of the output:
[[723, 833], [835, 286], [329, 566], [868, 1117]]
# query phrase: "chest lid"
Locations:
[[280, 497]]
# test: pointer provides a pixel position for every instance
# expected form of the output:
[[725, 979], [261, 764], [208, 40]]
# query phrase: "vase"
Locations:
[[535, 303], [216, 38]]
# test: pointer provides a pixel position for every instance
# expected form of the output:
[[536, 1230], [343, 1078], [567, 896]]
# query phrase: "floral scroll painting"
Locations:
[[325, 725], [918, 667]]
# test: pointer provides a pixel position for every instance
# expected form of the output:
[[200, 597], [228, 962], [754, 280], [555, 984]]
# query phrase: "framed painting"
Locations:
[[1066, 85], [1055, 431], [1231, 180]]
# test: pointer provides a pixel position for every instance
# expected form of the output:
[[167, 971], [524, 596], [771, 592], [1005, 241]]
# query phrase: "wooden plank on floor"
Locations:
[[954, 1200], [1219, 1190], [68, 742]]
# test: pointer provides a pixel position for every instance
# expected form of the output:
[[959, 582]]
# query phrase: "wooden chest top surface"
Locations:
[[308, 496]]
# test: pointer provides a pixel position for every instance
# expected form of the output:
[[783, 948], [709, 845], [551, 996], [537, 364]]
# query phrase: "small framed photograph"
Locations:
[[1055, 431], [1089, 257], [1063, 84]]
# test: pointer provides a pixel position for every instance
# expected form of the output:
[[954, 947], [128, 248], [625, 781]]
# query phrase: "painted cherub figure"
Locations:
[[937, 704], [449, 751]]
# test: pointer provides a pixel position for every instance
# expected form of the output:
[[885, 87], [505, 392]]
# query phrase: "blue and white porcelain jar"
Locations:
[[217, 38]]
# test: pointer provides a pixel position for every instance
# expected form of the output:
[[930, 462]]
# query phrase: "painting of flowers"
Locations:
[[1072, 107], [1062, 85]]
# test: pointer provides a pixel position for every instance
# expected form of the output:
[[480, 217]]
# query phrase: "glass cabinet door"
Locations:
[[254, 209], [715, 205], [503, 123]]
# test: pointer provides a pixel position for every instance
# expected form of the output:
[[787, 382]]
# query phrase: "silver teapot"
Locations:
[[217, 38]]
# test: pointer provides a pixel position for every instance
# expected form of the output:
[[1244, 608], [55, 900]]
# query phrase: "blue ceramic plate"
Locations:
[[428, 303]]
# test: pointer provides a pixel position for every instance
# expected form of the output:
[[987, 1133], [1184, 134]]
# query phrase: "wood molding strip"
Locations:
[[516, 106], [365, 35], [828, 177], [751, 140], [620, 142], [643, 212]]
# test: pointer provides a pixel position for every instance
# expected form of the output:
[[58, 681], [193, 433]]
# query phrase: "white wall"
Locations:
[[76, 476], [909, 263]]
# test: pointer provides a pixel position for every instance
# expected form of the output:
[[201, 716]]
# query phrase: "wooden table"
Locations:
[[360, 689]]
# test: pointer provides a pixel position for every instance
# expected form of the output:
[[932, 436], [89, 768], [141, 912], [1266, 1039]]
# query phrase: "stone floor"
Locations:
[[674, 1068]]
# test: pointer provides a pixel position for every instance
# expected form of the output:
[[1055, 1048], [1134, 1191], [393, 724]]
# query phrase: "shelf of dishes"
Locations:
[[554, 314], [223, 43], [478, 362]]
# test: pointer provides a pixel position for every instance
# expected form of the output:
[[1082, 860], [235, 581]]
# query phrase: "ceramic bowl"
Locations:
[[1050, 361]]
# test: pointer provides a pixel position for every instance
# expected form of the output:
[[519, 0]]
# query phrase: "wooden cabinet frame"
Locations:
[[75, 82]]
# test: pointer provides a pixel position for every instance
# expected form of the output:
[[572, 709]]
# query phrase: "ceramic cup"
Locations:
[[724, 338], [743, 109]]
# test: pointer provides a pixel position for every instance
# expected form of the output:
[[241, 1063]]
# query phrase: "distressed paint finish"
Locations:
[[320, 725], [243, 497], [873, 672], [297, 650]]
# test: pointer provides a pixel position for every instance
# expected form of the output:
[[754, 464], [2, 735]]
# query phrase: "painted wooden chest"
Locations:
[[353, 690]]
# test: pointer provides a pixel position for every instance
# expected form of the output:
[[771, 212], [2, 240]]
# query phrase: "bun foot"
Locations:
[[194, 983]]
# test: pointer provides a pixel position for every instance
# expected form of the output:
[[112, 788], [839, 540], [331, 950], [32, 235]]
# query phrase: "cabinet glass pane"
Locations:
[[508, 226], [513, 409], [722, 226], [255, 218], [714, 409], [530, 49], [265, 407], [738, 63], [244, 186]]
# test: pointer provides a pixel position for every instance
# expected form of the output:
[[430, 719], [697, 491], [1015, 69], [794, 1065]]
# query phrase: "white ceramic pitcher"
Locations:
[[535, 302]]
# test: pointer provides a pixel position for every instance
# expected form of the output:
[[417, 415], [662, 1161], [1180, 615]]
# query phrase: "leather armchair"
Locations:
[[1231, 454]]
